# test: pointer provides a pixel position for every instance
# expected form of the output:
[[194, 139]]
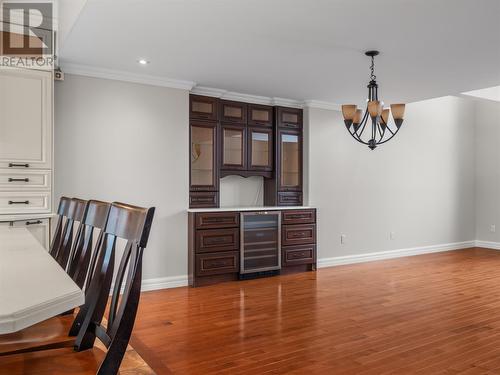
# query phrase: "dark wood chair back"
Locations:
[[62, 213], [75, 214], [84, 253], [132, 224]]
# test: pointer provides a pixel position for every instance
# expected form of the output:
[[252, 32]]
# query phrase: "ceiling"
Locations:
[[490, 93], [297, 49]]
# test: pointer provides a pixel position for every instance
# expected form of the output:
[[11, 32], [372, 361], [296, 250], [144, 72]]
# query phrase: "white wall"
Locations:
[[118, 141], [487, 170], [420, 185], [127, 142]]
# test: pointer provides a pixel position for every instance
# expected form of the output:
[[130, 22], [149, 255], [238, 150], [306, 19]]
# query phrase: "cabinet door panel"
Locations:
[[217, 220], [17, 180], [298, 216], [260, 115], [301, 254], [202, 107], [25, 118], [289, 198], [203, 199], [203, 176], [233, 146], [235, 112], [217, 240], [290, 160], [289, 117], [260, 149], [298, 234], [24, 202], [217, 263]]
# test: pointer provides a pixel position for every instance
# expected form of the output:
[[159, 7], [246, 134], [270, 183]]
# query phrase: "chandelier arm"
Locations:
[[388, 139], [380, 132], [364, 122], [387, 127], [356, 137]]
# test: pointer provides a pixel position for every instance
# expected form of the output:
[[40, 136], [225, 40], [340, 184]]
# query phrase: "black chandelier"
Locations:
[[357, 122]]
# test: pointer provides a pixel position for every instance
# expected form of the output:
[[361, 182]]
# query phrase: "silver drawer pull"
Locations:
[[25, 165], [19, 202], [19, 179]]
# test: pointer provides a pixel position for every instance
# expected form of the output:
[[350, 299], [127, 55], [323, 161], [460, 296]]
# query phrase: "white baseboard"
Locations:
[[488, 244], [164, 283], [182, 280], [389, 254]]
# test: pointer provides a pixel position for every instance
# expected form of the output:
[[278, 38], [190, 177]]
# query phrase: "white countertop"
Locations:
[[259, 208], [33, 287]]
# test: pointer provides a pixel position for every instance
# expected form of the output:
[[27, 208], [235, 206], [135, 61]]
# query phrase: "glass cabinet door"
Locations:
[[290, 160], [260, 155], [233, 147], [203, 157]]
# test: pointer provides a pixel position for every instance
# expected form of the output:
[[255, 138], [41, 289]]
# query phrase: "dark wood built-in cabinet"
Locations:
[[235, 138], [215, 243]]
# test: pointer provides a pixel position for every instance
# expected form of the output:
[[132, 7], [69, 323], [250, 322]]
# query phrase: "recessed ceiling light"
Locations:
[[143, 62]]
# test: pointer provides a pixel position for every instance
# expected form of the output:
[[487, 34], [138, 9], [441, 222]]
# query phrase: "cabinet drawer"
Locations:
[[203, 199], [290, 198], [210, 220], [298, 217], [24, 202], [298, 234], [234, 112], [210, 240], [303, 254], [202, 107], [289, 117], [15, 179], [217, 263], [39, 228]]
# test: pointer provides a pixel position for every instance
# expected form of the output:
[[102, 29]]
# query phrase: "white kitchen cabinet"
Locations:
[[26, 144], [25, 118]]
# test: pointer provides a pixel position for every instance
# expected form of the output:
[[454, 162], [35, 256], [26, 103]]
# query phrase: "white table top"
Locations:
[[33, 287]]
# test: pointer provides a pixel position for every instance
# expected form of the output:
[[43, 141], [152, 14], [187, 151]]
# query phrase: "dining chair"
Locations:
[[125, 222], [74, 216], [62, 213], [54, 332], [82, 255]]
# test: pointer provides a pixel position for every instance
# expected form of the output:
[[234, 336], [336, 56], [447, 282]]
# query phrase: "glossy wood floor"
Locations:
[[429, 314]]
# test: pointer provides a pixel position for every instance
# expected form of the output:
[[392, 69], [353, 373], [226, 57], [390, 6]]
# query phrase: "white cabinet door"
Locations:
[[25, 118]]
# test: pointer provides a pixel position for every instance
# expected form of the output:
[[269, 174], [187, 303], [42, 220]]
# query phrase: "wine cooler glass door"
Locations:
[[260, 241]]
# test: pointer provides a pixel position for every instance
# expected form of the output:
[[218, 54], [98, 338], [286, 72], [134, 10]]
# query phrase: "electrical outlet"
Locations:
[[493, 228], [343, 239], [392, 235]]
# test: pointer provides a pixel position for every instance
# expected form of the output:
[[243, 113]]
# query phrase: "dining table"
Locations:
[[33, 286]]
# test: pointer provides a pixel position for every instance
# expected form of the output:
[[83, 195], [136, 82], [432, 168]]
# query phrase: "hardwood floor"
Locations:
[[430, 314]]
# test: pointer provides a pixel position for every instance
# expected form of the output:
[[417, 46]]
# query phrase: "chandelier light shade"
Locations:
[[372, 127]]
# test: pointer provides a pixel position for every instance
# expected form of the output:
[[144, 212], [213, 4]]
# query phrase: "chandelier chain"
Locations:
[[373, 77]]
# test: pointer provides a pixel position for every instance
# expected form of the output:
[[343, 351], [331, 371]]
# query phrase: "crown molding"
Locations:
[[322, 105], [236, 96], [118, 75]]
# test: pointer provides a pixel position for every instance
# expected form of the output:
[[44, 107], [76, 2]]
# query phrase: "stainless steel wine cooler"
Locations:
[[260, 241]]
